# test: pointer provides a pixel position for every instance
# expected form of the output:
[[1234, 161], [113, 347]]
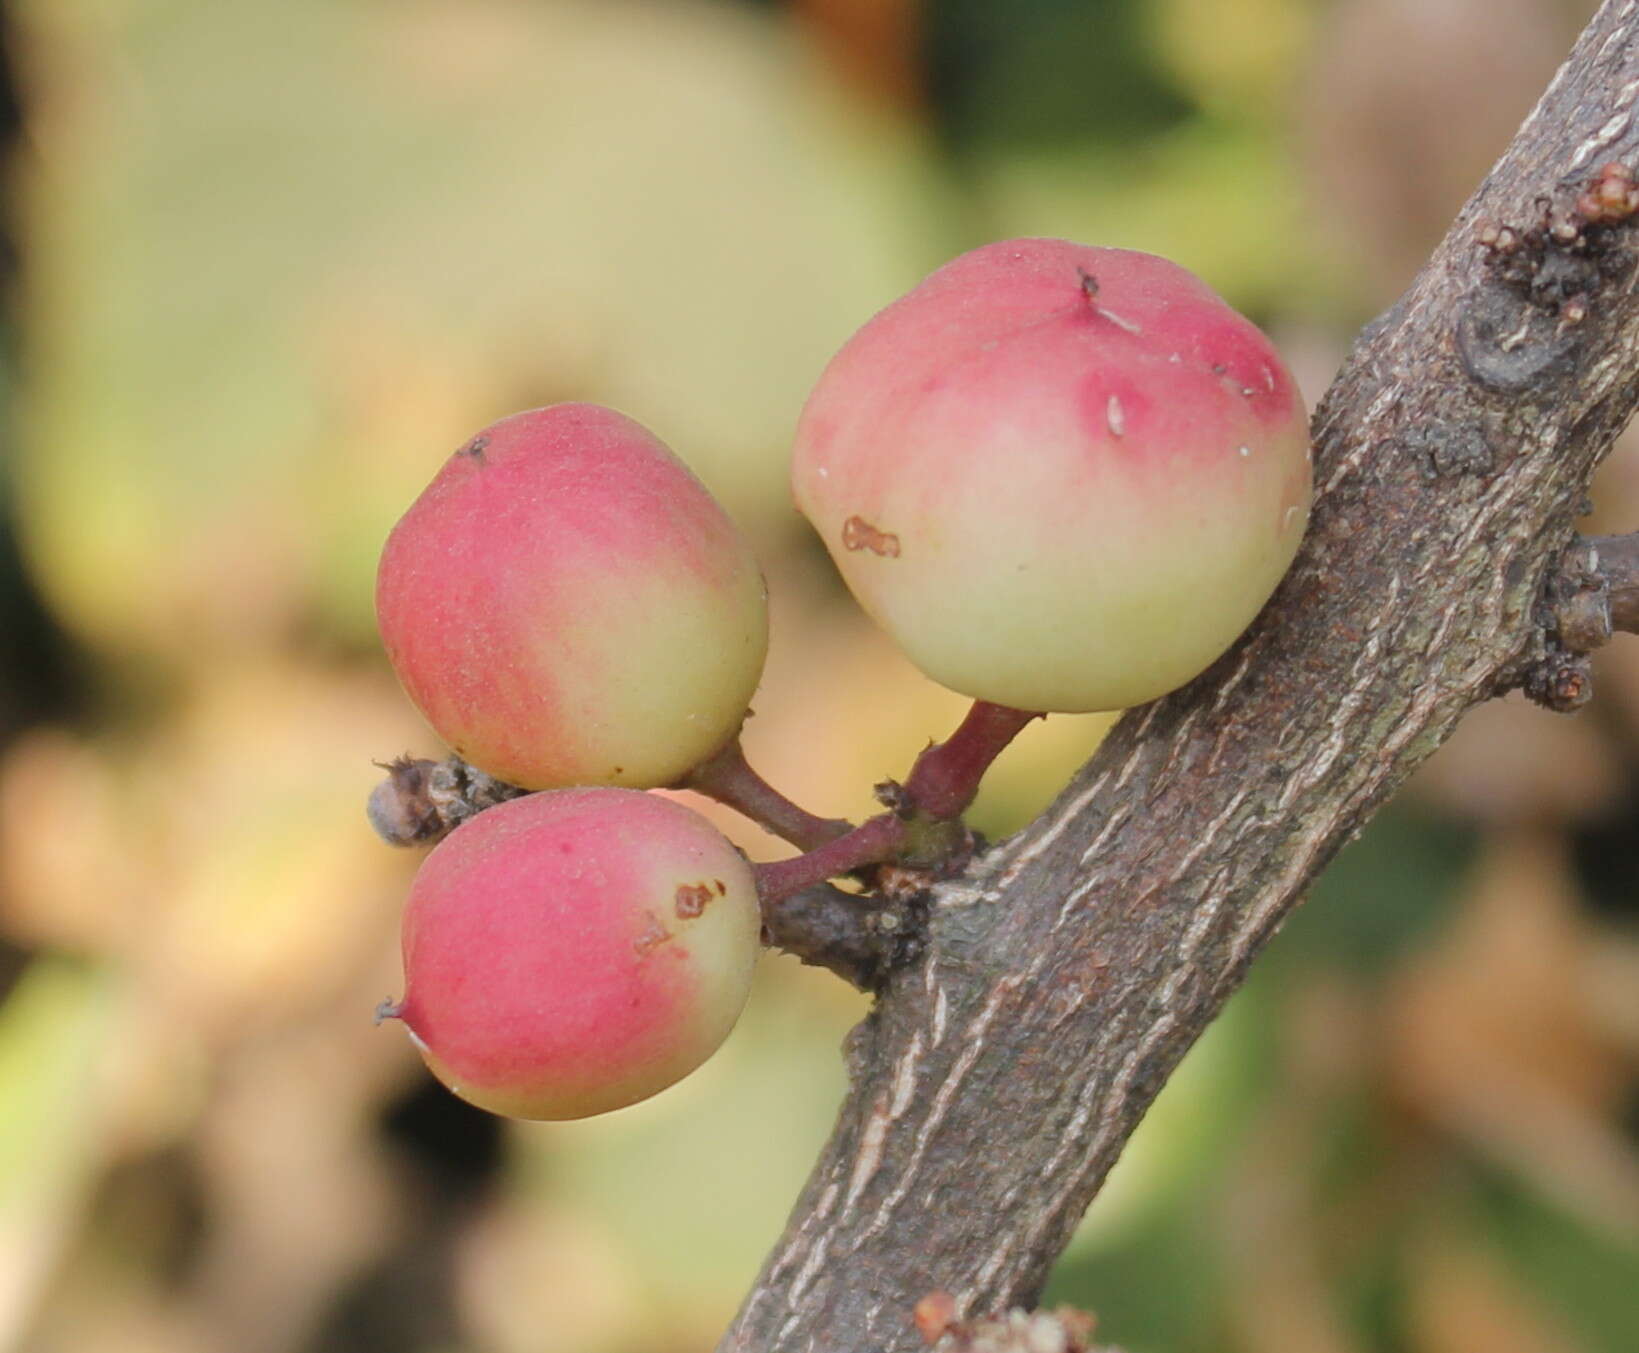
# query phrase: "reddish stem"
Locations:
[[729, 778], [877, 840], [945, 778], [940, 786]]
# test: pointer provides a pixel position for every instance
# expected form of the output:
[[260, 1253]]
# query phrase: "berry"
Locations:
[[1061, 477], [567, 605], [575, 951]]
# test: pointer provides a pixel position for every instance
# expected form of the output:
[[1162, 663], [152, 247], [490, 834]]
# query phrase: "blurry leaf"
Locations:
[[1307, 1225], [1046, 72], [1510, 761], [1159, 1291], [639, 204], [1382, 895], [876, 43], [63, 843], [269, 890], [1237, 57], [533, 1277], [220, 858], [695, 1184], [53, 1026], [1178, 1153], [1589, 1279], [1492, 1039], [1221, 200], [1461, 1298], [1383, 72], [300, 1194]]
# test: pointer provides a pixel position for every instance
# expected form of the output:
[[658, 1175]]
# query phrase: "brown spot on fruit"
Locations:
[[653, 936], [474, 450], [691, 900], [722, 888], [859, 534]]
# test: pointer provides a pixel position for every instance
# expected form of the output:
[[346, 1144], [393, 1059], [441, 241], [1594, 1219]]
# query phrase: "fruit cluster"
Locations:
[[1062, 478]]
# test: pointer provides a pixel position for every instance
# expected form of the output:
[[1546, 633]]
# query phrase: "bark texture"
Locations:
[[1065, 976]]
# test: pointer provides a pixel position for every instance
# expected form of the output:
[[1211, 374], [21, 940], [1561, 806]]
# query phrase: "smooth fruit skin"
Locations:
[[1061, 477], [575, 951], [567, 605]]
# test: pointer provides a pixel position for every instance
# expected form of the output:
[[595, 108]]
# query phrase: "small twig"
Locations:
[[1597, 591], [922, 827], [879, 840], [1593, 595], [861, 939], [729, 778], [421, 801], [945, 778]]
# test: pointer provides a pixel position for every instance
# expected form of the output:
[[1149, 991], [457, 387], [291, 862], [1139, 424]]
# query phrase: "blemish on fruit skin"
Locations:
[[1114, 411], [1119, 321], [1089, 290], [691, 900], [653, 936], [474, 450], [859, 534], [1114, 416]]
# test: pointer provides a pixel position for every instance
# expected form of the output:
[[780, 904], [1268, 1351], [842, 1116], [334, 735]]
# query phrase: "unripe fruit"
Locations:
[[567, 605], [1061, 477], [575, 951]]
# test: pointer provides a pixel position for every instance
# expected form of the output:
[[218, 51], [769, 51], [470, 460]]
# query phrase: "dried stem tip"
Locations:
[[400, 807]]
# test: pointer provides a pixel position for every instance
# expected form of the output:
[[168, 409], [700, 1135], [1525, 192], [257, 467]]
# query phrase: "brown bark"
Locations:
[[1061, 981]]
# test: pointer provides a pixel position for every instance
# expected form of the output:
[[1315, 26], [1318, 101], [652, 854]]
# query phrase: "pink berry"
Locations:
[[1061, 477], [575, 951], [567, 604]]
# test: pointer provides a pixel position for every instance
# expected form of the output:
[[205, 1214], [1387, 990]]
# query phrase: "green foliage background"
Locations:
[[275, 260]]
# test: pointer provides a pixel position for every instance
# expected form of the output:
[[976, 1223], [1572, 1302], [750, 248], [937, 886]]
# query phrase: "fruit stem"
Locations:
[[877, 840], [729, 778], [945, 779], [919, 828]]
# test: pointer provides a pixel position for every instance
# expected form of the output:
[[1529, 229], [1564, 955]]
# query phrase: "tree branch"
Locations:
[[1062, 980], [861, 939], [1596, 593]]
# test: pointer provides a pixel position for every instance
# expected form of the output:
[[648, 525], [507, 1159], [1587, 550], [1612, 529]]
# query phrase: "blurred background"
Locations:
[[267, 264]]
